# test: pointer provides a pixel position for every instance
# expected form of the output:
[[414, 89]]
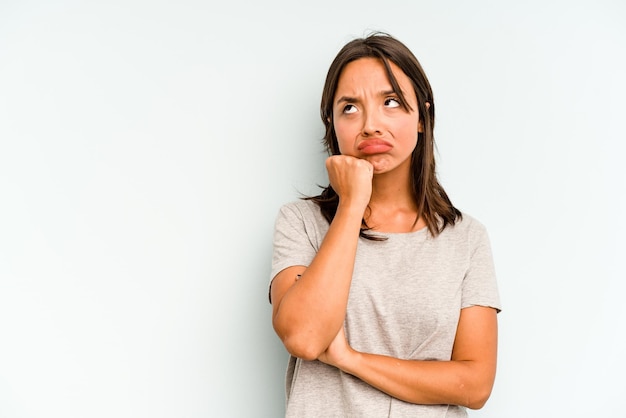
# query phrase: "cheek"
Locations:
[[342, 131], [409, 131]]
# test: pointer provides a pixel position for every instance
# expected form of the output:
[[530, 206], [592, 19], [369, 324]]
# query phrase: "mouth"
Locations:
[[374, 146]]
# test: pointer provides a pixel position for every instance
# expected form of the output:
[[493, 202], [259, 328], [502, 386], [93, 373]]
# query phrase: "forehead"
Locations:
[[365, 73]]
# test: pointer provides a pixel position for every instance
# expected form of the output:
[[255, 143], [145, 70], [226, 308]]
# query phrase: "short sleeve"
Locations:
[[480, 287], [295, 238]]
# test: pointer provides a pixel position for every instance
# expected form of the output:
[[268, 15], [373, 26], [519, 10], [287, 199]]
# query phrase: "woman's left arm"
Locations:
[[467, 379]]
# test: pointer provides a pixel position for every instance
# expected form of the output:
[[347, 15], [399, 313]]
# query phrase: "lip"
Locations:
[[374, 146]]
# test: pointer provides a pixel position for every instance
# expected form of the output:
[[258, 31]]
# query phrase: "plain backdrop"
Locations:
[[146, 146]]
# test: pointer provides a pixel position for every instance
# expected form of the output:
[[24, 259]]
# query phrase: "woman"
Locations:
[[383, 292]]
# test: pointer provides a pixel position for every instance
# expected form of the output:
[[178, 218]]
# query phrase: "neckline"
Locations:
[[421, 231]]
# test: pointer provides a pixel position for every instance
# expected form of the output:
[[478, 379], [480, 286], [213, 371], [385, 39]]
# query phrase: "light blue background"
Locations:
[[145, 147]]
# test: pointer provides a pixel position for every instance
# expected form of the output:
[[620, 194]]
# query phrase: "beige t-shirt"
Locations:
[[405, 300]]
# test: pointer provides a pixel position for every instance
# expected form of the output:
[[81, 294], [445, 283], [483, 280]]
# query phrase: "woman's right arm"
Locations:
[[308, 312]]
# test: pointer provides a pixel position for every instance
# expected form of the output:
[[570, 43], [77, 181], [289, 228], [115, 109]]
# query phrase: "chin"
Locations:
[[379, 162], [378, 168]]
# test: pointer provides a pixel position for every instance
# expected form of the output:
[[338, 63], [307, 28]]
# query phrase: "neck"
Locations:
[[392, 207], [393, 189], [389, 191]]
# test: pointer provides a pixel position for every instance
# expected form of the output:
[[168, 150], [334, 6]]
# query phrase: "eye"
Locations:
[[392, 102], [349, 108]]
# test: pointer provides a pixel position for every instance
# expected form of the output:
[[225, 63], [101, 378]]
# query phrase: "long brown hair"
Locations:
[[433, 204]]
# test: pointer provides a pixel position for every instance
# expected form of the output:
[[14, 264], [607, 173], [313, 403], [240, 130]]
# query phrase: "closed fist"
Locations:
[[351, 178]]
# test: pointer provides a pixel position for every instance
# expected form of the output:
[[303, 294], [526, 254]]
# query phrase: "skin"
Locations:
[[372, 179]]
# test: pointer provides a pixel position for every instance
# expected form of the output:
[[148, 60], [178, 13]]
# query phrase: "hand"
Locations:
[[338, 352], [351, 178]]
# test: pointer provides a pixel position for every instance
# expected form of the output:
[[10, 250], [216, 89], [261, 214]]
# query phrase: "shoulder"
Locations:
[[470, 223], [300, 221], [302, 209], [302, 214], [467, 228]]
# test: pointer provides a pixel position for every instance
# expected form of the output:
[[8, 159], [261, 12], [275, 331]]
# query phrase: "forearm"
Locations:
[[313, 309], [464, 380], [466, 383]]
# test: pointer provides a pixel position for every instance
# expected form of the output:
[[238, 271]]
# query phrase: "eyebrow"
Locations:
[[348, 99]]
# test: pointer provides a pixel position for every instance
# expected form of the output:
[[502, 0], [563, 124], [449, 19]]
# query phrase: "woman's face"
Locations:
[[369, 121]]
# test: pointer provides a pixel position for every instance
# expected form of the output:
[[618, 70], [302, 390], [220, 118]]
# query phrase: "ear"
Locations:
[[420, 126]]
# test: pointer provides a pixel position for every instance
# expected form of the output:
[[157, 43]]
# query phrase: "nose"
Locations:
[[371, 123]]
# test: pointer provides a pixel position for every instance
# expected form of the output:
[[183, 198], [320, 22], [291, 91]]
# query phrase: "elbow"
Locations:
[[478, 398], [477, 404], [298, 343], [474, 385], [302, 347], [306, 340]]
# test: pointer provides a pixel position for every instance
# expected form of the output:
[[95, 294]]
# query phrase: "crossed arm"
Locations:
[[310, 323], [465, 380], [308, 315]]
